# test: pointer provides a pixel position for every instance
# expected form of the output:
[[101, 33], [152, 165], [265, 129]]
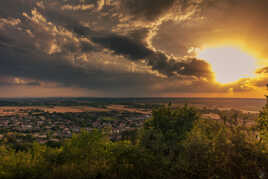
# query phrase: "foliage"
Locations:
[[263, 123], [174, 143], [223, 149], [163, 133]]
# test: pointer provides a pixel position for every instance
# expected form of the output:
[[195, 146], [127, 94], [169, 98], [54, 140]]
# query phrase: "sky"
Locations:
[[134, 48]]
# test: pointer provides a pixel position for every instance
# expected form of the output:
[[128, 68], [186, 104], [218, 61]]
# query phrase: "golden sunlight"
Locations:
[[229, 64]]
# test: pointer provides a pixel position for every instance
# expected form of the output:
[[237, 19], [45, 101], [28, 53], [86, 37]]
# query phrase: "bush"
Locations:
[[223, 149], [162, 134], [175, 143], [263, 124]]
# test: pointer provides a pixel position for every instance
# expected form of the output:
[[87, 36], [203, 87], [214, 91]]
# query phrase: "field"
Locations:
[[21, 110]]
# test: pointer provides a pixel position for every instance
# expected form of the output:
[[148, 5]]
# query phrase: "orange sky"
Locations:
[[194, 48]]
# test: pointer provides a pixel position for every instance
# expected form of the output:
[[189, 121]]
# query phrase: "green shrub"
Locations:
[[175, 143], [223, 149]]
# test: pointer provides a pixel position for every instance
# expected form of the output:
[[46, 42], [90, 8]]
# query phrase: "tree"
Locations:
[[262, 124], [163, 133]]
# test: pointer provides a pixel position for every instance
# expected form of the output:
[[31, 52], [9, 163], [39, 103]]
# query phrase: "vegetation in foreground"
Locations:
[[174, 143]]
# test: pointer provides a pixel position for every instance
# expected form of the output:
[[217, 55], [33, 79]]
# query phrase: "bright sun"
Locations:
[[229, 63]]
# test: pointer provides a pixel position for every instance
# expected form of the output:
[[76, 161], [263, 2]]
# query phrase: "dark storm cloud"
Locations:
[[71, 42], [159, 61], [151, 10], [196, 67], [42, 67], [122, 45], [133, 47], [132, 44], [87, 47], [139, 35], [189, 67], [15, 8], [135, 50], [147, 9], [21, 58], [4, 39]]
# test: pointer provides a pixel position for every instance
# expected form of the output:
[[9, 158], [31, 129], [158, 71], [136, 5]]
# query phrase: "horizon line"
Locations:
[[130, 97]]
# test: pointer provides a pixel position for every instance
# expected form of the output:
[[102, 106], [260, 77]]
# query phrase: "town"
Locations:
[[51, 121], [35, 125]]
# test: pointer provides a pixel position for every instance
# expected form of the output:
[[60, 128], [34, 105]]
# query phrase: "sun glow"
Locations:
[[229, 64]]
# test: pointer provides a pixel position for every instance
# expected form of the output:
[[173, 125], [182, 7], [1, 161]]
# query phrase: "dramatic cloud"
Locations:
[[134, 50], [125, 47], [148, 10]]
